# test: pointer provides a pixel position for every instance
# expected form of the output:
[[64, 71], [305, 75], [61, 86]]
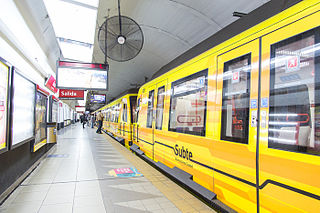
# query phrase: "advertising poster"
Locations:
[[41, 124], [23, 110], [4, 74], [100, 99]]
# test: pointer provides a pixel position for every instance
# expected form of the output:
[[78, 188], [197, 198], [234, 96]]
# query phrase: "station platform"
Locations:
[[76, 176]]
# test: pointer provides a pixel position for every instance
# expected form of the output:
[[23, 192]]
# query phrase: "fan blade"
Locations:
[[111, 45], [131, 32], [132, 46], [112, 33]]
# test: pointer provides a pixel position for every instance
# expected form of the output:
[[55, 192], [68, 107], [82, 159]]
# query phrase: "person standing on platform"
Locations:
[[84, 120], [92, 121], [99, 119]]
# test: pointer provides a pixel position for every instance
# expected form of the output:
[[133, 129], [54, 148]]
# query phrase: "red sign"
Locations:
[[235, 77], [293, 63], [71, 94], [55, 98], [43, 91], [51, 84], [82, 65]]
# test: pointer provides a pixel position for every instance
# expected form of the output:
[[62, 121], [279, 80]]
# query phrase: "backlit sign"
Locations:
[[85, 76], [68, 94]]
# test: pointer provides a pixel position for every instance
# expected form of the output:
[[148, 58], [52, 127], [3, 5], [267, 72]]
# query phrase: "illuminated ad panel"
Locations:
[[23, 110], [80, 109], [71, 94], [101, 99], [87, 76], [41, 124], [4, 77]]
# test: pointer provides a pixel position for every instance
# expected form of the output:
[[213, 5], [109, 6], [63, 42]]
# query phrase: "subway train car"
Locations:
[[242, 118], [118, 117]]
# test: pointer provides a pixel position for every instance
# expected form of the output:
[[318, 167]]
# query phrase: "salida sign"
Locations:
[[71, 94]]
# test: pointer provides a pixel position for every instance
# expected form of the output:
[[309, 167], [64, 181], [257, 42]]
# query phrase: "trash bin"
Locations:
[[52, 132]]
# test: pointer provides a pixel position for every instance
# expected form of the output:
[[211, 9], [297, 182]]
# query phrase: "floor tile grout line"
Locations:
[[75, 187]]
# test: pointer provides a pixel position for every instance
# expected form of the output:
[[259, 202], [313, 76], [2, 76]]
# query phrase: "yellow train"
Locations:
[[118, 117], [243, 118]]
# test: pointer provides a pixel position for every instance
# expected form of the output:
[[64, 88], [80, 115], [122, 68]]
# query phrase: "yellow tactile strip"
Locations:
[[183, 200]]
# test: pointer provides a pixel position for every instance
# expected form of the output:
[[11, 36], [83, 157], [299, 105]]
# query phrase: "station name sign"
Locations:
[[71, 94]]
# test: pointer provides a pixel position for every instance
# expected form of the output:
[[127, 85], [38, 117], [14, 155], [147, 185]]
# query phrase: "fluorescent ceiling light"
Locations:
[[93, 3], [72, 21], [75, 21], [74, 50]]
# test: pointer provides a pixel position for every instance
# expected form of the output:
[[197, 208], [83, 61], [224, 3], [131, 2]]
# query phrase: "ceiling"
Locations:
[[170, 28]]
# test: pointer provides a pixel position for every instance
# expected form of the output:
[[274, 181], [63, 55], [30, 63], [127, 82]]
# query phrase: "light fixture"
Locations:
[[238, 14], [121, 39]]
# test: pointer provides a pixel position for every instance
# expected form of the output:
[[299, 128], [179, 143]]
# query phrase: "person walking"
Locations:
[[100, 118], [84, 120]]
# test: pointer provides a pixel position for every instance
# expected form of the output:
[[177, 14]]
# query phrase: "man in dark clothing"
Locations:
[[84, 119]]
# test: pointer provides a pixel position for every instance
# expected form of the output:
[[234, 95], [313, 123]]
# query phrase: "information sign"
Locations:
[[70, 94]]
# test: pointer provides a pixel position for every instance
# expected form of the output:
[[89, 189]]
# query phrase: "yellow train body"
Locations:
[[118, 117], [227, 118]]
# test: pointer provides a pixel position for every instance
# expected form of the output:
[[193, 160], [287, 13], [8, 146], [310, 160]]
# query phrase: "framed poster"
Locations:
[[4, 95], [23, 110], [53, 105], [41, 119]]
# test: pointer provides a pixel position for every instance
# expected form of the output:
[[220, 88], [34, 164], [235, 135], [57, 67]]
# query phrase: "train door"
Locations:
[[125, 129], [146, 133], [289, 152], [234, 155], [160, 95], [135, 126]]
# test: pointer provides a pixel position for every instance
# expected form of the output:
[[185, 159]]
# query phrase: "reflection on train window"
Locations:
[[112, 114], [188, 104], [124, 113], [137, 111], [294, 118], [159, 109], [150, 109], [117, 112], [235, 99]]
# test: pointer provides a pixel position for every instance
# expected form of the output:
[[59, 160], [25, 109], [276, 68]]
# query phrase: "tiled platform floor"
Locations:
[[74, 178]]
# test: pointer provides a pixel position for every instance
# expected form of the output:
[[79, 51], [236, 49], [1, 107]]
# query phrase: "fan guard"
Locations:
[[124, 45]]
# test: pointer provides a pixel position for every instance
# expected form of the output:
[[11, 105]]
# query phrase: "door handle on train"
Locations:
[[137, 132]]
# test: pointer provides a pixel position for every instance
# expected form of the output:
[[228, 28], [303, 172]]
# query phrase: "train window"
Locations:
[[113, 114], [235, 99], [124, 113], [137, 111], [117, 112], [150, 109], [159, 109], [188, 104], [294, 115], [133, 100]]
